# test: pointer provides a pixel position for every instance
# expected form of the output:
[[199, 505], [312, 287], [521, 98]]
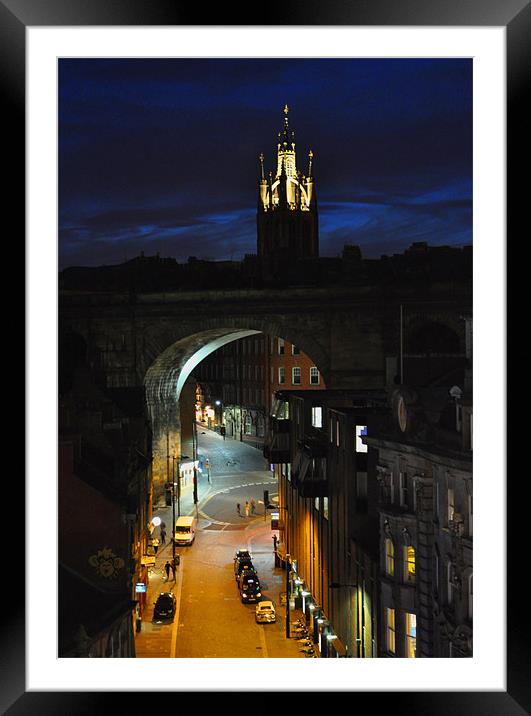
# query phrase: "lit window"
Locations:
[[409, 564], [389, 557], [325, 507], [280, 346], [281, 375], [451, 504], [314, 376], [411, 635], [360, 430], [296, 376], [390, 630], [317, 417], [338, 442]]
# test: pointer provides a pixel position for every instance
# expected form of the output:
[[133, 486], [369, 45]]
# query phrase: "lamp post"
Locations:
[[288, 570], [194, 458], [173, 503]]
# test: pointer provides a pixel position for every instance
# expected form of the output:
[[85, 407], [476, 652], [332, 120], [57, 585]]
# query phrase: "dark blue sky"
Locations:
[[162, 155]]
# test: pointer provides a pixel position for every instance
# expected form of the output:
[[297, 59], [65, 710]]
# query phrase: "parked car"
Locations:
[[185, 528], [164, 606], [243, 554], [250, 590], [246, 574], [265, 612], [242, 561]]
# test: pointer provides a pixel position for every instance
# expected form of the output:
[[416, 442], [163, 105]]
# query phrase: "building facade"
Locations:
[[376, 517], [424, 472]]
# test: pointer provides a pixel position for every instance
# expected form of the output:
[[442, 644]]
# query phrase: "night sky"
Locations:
[[162, 155]]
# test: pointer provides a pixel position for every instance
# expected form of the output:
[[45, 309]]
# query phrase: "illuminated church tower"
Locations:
[[287, 221]]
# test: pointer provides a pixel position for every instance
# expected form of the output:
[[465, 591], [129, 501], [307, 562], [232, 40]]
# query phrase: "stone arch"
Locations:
[[176, 354], [164, 337]]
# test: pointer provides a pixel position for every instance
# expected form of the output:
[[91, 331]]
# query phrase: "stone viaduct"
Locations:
[[156, 340]]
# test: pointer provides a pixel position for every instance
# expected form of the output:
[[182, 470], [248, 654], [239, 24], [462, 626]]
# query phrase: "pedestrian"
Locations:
[[238, 509], [253, 506], [155, 545], [173, 569], [162, 535], [247, 508], [167, 567]]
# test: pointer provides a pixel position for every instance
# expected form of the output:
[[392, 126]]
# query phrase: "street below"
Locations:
[[210, 619]]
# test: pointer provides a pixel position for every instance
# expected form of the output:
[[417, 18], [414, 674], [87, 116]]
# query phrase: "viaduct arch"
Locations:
[[156, 340]]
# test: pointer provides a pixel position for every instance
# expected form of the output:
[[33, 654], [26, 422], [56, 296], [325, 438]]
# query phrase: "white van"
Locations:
[[185, 530]]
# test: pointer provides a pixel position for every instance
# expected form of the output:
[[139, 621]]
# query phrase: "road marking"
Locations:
[[177, 609], [263, 641]]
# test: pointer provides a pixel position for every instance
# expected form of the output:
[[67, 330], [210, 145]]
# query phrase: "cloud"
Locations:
[[163, 154]]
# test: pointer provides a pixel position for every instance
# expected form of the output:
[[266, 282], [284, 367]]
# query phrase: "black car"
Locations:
[[242, 553], [246, 574], [164, 606], [242, 565], [250, 590]]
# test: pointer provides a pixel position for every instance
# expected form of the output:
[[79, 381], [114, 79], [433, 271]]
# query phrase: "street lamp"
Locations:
[[219, 404]]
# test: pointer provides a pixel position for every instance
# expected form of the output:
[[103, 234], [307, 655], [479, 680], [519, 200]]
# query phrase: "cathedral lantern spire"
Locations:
[[287, 199]]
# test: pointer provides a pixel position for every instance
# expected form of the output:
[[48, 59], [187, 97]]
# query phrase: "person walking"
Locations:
[[253, 506], [155, 545], [167, 567], [238, 509], [162, 535], [247, 508]]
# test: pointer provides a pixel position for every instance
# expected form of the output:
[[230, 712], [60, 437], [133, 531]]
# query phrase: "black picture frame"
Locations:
[[515, 16]]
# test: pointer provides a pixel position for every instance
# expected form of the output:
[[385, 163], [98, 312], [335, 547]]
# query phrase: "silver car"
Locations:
[[265, 612]]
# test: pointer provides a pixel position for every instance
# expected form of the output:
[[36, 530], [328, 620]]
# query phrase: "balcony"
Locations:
[[309, 471], [276, 449]]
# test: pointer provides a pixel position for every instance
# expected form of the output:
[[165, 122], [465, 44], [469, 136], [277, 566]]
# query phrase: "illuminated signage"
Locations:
[[361, 430]]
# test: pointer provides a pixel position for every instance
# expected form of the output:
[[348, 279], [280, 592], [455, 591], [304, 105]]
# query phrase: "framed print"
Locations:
[[80, 213]]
